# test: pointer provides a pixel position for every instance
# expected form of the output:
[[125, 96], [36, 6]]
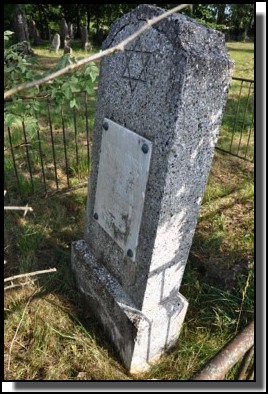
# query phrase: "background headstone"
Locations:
[[160, 104], [55, 45]]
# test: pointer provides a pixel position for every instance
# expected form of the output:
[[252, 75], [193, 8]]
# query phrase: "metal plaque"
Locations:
[[123, 172]]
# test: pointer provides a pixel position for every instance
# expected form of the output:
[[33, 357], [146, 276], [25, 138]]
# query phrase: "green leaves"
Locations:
[[93, 71], [73, 103], [64, 88], [10, 119], [7, 35], [17, 66]]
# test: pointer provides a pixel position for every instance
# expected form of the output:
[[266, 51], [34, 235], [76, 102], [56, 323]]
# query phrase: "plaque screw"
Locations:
[[130, 253], [96, 216], [145, 148], [105, 125]]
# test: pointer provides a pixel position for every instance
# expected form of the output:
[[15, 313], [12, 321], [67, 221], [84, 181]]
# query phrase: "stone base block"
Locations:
[[139, 339]]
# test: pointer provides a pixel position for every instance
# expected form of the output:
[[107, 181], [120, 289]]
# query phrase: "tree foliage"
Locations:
[[18, 68], [100, 16]]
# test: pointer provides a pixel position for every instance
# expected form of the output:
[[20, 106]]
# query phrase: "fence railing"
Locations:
[[50, 150], [237, 130]]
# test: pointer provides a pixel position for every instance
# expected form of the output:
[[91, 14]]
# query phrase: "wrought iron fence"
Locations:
[[237, 130], [50, 151]]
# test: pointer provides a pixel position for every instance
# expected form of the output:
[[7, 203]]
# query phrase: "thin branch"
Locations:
[[17, 146], [31, 97], [61, 334], [30, 282], [117, 48], [10, 278], [25, 209]]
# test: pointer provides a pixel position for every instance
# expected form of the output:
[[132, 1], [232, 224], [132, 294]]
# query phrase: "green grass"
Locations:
[[242, 53], [58, 338]]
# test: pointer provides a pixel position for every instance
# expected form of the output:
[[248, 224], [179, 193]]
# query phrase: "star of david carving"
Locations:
[[136, 62]]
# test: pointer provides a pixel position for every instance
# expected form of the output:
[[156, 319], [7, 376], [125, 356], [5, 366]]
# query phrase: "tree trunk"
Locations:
[[97, 25], [78, 21], [88, 20], [221, 14], [43, 23], [20, 25], [248, 28]]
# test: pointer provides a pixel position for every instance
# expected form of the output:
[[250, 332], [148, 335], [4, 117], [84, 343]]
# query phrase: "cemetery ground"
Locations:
[[48, 334]]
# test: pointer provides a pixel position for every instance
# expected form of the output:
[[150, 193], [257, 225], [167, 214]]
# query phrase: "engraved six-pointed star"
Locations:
[[136, 61]]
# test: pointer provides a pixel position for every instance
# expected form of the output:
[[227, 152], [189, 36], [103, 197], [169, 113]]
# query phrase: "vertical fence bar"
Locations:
[[13, 159], [244, 117], [251, 126], [52, 144], [236, 115], [87, 128], [41, 156], [76, 144], [65, 148], [28, 154]]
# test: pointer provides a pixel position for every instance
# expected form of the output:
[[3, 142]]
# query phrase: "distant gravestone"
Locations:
[[84, 39], [63, 32], [160, 104], [55, 45]]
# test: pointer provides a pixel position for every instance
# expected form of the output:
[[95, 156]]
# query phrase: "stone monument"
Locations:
[[160, 104]]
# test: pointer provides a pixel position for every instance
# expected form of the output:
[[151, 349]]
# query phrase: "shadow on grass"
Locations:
[[231, 48]]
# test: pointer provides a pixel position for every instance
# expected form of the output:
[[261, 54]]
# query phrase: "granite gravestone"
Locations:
[[159, 108]]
